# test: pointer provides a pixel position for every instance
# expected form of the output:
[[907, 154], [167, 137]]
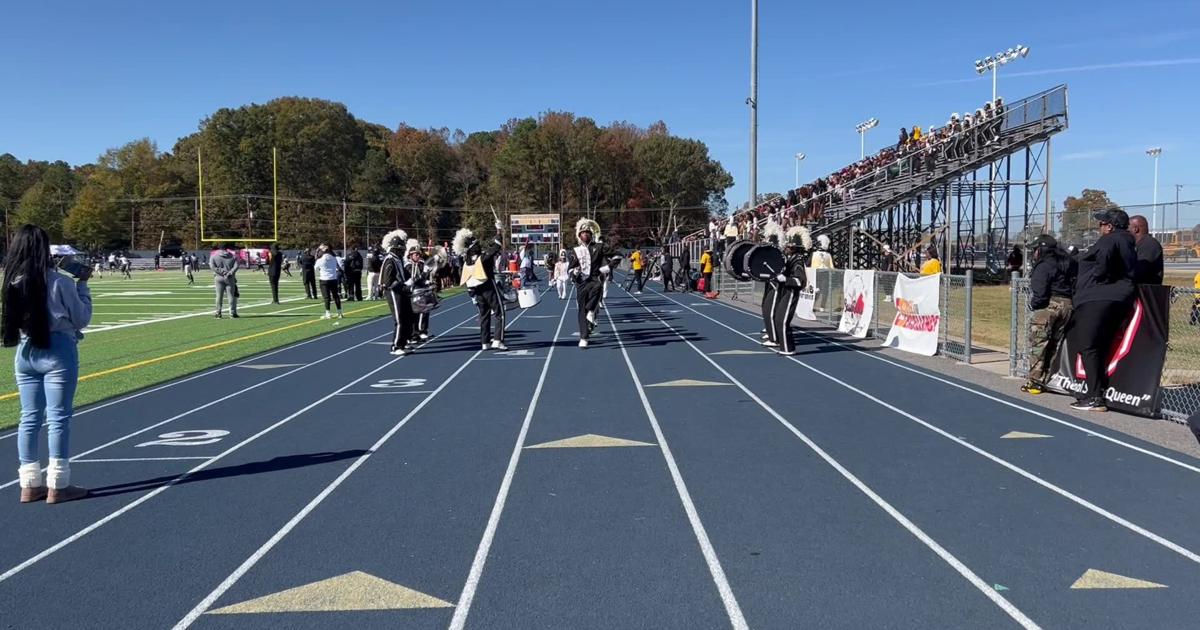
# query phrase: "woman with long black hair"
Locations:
[[43, 314]]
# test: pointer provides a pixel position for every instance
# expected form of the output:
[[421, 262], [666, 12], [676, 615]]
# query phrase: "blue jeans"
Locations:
[[46, 380]]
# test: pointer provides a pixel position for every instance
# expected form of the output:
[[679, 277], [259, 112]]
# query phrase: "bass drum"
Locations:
[[734, 258], [762, 262], [424, 300]]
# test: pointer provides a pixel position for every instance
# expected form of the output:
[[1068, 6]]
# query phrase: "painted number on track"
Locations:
[[516, 353], [398, 383], [198, 437]]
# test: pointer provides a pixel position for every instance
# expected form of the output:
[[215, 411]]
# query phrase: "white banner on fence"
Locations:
[[858, 302], [918, 316], [804, 309]]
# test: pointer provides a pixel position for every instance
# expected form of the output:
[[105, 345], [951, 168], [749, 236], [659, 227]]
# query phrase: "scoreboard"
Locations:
[[535, 228]]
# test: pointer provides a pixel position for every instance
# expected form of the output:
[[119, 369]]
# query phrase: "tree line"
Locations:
[[640, 183]]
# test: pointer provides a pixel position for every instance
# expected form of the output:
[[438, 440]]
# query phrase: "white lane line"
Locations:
[[266, 547], [736, 619], [1012, 405], [256, 357], [163, 488], [226, 397], [912, 528], [463, 608], [1080, 501], [178, 317], [136, 459]]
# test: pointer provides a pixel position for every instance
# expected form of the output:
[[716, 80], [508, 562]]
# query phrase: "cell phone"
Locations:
[[73, 267]]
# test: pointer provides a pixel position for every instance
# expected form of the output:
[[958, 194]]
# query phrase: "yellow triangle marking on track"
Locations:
[[1021, 435], [352, 591], [270, 366], [1093, 579], [687, 382], [589, 440]]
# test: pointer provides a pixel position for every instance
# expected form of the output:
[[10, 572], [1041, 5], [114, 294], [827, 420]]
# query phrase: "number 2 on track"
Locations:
[[397, 383], [198, 437]]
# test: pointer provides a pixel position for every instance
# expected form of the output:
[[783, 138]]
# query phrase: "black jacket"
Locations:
[[793, 269], [307, 262], [374, 261], [600, 255], [1050, 279], [276, 263], [395, 273], [1106, 270], [1149, 261], [353, 262]]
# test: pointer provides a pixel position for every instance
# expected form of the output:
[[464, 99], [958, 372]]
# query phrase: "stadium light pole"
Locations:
[[1154, 153], [799, 157], [752, 101], [862, 128], [992, 63]]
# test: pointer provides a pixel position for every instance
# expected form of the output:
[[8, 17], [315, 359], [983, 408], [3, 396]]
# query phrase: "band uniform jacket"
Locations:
[[598, 255]]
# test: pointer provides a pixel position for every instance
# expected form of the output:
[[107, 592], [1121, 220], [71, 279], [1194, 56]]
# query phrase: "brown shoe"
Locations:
[[62, 495], [29, 495]]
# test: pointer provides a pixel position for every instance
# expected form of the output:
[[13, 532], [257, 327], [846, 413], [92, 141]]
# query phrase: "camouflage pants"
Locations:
[[1046, 328]]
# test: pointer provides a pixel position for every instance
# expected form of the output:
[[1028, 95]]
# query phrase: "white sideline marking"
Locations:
[[209, 312], [736, 619], [266, 547], [912, 528], [136, 459], [463, 608], [1080, 501], [1029, 410], [212, 460]]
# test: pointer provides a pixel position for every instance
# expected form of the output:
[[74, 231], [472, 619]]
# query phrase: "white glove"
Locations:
[[408, 283], [605, 269], [780, 278], [499, 225], [576, 271]]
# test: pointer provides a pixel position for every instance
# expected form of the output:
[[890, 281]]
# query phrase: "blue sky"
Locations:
[[80, 77]]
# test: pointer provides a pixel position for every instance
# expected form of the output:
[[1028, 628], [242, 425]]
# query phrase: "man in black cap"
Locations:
[[1104, 293], [1051, 283], [1149, 252]]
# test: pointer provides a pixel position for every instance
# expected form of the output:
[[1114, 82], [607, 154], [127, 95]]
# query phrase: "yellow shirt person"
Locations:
[[931, 267], [706, 265], [636, 258]]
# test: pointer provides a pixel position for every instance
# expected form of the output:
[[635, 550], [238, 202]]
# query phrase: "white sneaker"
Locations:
[[326, 315], [637, 292], [485, 346], [583, 343], [401, 352], [424, 337], [786, 353], [499, 345], [770, 344]]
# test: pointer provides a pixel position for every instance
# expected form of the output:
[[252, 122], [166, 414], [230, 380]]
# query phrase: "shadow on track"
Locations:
[[286, 462]]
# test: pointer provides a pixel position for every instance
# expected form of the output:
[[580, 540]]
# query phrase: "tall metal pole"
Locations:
[[862, 145], [797, 171], [1177, 187], [1154, 212], [995, 69], [753, 102], [344, 252], [1048, 201]]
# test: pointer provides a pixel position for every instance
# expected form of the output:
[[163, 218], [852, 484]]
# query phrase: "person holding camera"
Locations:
[[44, 314]]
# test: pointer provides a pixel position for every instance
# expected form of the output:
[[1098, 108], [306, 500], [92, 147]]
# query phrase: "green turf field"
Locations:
[[155, 327]]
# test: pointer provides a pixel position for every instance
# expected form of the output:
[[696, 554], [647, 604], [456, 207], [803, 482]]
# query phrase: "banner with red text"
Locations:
[[858, 302], [918, 316]]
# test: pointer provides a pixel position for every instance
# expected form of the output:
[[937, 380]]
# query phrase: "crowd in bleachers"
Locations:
[[916, 151]]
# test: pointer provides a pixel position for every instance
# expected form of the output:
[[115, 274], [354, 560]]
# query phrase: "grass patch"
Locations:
[[122, 360]]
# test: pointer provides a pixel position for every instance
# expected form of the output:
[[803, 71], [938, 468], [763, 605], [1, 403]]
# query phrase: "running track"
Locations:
[[329, 484]]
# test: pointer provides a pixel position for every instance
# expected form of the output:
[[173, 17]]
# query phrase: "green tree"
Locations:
[[46, 202], [1078, 227], [677, 172]]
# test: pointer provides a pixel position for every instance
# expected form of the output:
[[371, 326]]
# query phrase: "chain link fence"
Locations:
[[1180, 380], [955, 330]]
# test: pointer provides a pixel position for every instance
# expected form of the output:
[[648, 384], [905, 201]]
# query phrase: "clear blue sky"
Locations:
[[80, 77]]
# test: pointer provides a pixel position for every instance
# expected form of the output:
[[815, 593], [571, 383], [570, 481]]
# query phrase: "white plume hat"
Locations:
[[394, 239], [587, 225], [462, 241]]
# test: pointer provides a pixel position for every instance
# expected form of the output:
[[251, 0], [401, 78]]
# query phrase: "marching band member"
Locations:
[[424, 270], [791, 281], [396, 285], [770, 291], [560, 274], [590, 264], [479, 274]]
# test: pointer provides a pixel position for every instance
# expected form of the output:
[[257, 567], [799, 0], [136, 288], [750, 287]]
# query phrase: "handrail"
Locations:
[[1022, 105]]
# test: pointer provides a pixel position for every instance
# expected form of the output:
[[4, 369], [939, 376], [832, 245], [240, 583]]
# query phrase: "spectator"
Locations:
[[667, 265], [903, 138], [933, 264], [1104, 292], [43, 316], [224, 266], [375, 265], [1051, 283], [328, 272], [731, 232], [308, 273], [1015, 260], [353, 267], [916, 134], [887, 259], [1149, 252], [706, 270], [274, 268]]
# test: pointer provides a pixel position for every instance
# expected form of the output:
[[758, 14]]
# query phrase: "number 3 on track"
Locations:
[[397, 383], [198, 437]]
